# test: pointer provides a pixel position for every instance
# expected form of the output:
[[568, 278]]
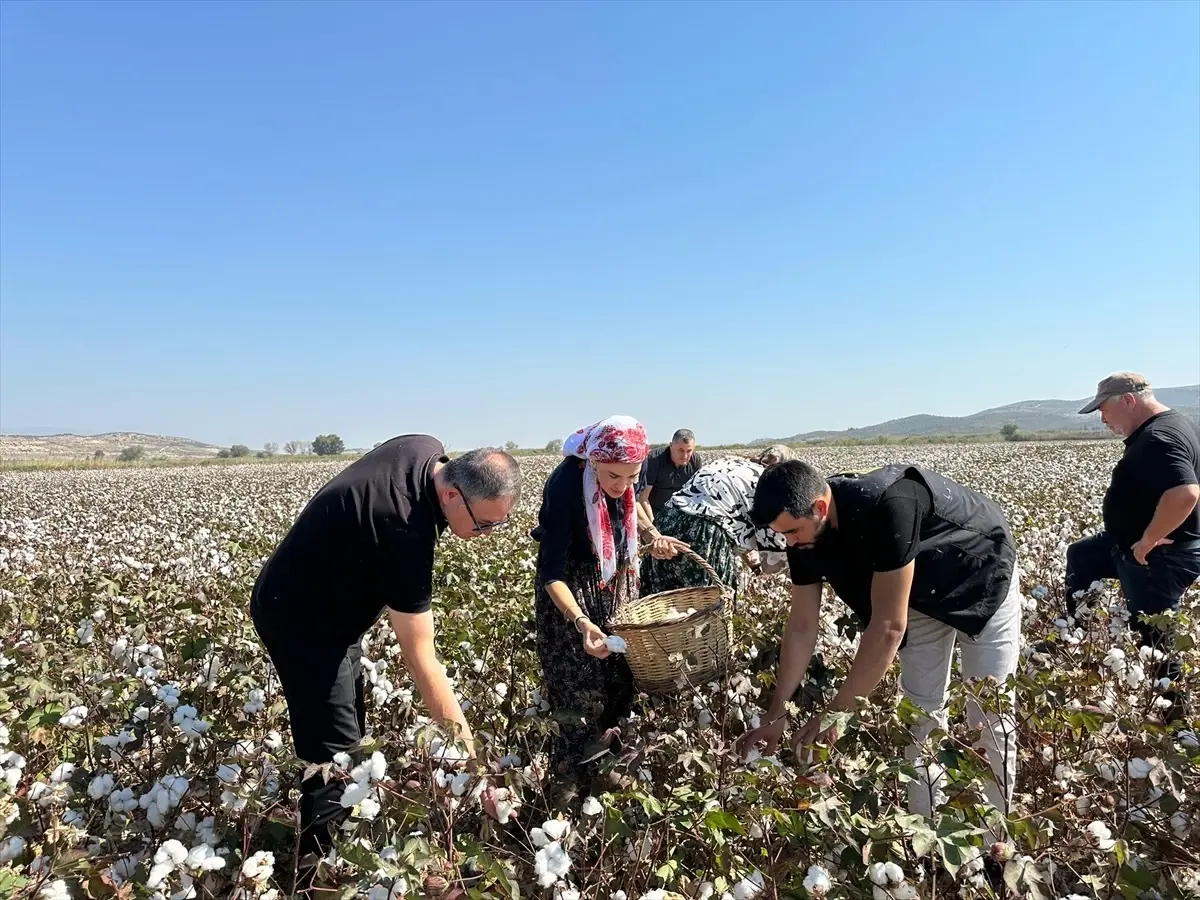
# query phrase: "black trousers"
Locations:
[[323, 686], [1153, 588]]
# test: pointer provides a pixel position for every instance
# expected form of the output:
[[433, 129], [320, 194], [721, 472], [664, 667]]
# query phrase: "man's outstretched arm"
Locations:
[[415, 633]]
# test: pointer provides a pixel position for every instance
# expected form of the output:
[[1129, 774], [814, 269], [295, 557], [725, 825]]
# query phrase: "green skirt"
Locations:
[[706, 538]]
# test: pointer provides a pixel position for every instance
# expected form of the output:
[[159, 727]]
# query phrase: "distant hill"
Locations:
[[1027, 415], [76, 446]]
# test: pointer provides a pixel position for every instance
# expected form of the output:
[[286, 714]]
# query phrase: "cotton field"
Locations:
[[144, 747]]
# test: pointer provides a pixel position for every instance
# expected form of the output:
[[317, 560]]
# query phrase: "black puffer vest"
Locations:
[[966, 557]]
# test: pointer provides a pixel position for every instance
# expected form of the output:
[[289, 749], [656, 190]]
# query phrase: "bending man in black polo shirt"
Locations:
[[924, 563], [1151, 536], [363, 544]]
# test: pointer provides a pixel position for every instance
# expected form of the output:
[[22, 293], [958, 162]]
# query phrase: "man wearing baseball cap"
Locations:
[[1151, 536]]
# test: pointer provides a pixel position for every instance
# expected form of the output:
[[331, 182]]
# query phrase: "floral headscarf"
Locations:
[[617, 439]]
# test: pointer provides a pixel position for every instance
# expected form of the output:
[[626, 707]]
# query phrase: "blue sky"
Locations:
[[260, 221]]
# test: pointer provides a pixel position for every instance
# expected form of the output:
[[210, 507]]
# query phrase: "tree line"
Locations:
[[321, 445]]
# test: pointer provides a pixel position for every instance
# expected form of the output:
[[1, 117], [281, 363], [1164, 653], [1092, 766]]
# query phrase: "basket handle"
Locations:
[[698, 560]]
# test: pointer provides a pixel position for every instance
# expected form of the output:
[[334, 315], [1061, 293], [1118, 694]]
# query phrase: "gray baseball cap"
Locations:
[[1115, 385]]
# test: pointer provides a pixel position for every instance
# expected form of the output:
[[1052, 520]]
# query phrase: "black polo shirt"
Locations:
[[1163, 453], [363, 543], [664, 477]]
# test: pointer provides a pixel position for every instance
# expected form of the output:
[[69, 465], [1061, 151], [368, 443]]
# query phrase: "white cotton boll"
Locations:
[[11, 849], [1101, 835], [168, 695], [256, 703], [556, 829], [878, 874], [123, 801], [86, 631], [904, 892], [231, 802], [229, 773], [55, 890], [341, 760], [551, 863], [101, 786], [511, 761], [62, 773], [355, 793], [1139, 768], [705, 890], [377, 766], [73, 717], [616, 644], [73, 818], [657, 894], [458, 784], [753, 884], [273, 741], [1107, 771], [369, 808], [259, 867], [895, 874], [202, 858], [538, 837], [1135, 675], [1189, 740], [243, 749], [501, 690], [592, 807], [618, 895], [445, 752], [141, 714], [1115, 659]]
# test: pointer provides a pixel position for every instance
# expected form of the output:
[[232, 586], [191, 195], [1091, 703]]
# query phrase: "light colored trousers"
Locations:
[[925, 664]]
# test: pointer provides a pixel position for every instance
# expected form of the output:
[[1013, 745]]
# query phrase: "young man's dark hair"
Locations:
[[790, 487]]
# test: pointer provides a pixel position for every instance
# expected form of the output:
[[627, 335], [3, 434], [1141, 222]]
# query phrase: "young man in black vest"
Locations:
[[924, 563], [364, 544]]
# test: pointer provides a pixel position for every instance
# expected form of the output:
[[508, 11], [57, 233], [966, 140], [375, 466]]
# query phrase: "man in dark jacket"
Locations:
[[1151, 535], [924, 563], [364, 544]]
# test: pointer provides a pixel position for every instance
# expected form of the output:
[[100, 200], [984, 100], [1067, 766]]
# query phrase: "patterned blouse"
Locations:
[[723, 490]]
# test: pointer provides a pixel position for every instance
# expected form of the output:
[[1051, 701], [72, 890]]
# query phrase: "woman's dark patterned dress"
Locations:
[[588, 695], [706, 537]]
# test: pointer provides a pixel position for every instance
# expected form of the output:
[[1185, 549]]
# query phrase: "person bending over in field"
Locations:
[[924, 563], [711, 515], [1151, 535], [364, 544], [587, 535]]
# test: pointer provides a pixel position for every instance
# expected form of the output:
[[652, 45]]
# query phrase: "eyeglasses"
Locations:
[[480, 527]]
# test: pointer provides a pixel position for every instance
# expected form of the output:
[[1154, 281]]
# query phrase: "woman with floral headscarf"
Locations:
[[587, 534]]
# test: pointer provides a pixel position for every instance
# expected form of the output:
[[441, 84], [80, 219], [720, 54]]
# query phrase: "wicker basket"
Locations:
[[694, 648]]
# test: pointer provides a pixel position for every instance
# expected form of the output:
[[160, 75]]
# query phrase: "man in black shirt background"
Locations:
[[924, 563], [1151, 535], [365, 543], [665, 471]]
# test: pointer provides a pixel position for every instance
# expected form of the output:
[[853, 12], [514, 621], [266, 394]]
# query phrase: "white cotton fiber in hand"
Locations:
[[615, 644]]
